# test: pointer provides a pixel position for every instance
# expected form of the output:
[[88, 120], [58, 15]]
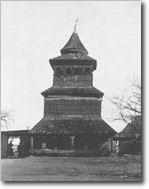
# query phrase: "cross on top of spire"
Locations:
[[74, 45], [75, 26]]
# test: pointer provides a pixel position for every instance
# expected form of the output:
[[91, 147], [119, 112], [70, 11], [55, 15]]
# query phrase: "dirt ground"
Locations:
[[87, 169]]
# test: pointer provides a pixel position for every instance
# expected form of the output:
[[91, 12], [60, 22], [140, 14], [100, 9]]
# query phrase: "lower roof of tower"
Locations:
[[72, 126], [73, 91]]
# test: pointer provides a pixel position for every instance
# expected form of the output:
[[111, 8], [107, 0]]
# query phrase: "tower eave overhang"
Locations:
[[73, 91], [73, 59], [72, 126]]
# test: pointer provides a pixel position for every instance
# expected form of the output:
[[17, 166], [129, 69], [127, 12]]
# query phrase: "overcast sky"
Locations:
[[33, 32]]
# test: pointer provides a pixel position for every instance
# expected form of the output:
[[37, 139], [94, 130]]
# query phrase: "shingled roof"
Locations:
[[73, 91], [74, 45], [72, 126]]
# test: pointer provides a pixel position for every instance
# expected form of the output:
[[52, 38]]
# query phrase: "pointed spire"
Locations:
[[74, 51], [74, 45]]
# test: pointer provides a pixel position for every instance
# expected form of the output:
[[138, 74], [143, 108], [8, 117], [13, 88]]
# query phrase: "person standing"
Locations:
[[10, 149]]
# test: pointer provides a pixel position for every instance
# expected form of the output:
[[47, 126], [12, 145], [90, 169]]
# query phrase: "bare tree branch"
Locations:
[[128, 104], [6, 118]]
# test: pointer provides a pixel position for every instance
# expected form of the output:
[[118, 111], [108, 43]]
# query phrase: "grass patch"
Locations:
[[75, 169]]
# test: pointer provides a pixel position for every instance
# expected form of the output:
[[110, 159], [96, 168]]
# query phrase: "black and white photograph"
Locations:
[[71, 91]]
